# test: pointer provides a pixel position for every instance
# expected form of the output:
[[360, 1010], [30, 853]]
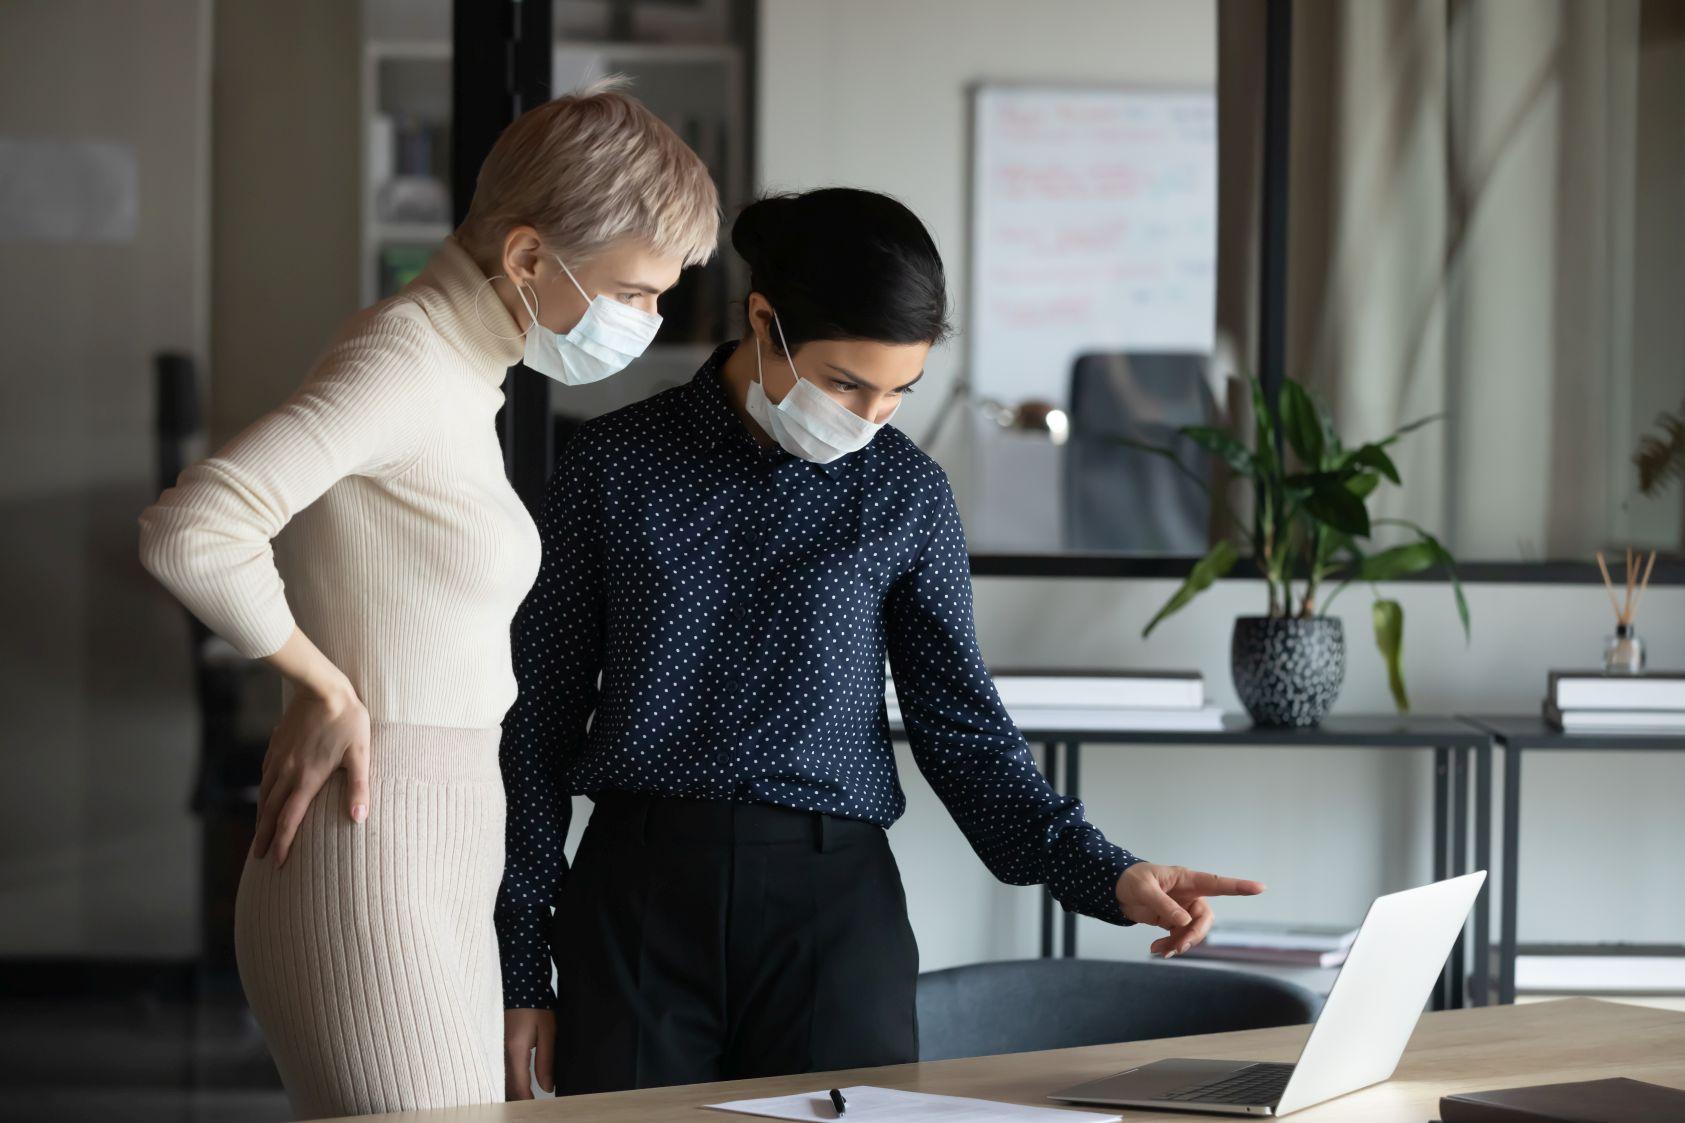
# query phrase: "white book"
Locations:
[[1206, 719], [1590, 691], [1282, 937], [1172, 690], [1103, 691], [1621, 721], [1291, 944], [1310, 959], [1600, 974]]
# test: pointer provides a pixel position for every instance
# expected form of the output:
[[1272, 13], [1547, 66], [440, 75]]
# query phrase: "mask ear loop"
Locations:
[[791, 359], [574, 279], [520, 291], [784, 343]]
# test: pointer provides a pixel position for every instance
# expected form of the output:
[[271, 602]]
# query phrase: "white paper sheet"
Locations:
[[867, 1104]]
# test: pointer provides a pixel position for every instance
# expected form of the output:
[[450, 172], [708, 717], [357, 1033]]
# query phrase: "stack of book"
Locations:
[[1589, 702], [1158, 701], [1287, 945]]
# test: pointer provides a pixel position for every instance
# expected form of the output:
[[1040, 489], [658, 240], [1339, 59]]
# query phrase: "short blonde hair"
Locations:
[[589, 169]]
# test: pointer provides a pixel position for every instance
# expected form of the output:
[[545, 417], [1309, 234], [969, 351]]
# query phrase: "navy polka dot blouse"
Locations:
[[739, 604]]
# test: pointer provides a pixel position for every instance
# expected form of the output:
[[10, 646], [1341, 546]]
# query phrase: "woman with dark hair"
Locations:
[[726, 568]]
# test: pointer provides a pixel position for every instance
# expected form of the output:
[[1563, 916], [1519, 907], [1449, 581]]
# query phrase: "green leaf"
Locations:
[[1302, 425], [1373, 456], [1389, 637], [1363, 485], [1450, 563], [1332, 504], [1410, 428], [1352, 562], [1260, 408], [1216, 563], [1222, 445], [1330, 439], [1391, 564], [1331, 543]]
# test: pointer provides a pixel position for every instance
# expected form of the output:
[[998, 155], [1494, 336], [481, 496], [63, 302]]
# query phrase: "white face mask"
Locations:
[[607, 338], [808, 423]]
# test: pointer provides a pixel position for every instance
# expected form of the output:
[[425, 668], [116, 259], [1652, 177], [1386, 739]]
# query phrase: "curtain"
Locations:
[[1484, 222]]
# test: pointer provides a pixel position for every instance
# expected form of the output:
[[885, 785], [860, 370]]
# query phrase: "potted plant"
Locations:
[[1309, 532]]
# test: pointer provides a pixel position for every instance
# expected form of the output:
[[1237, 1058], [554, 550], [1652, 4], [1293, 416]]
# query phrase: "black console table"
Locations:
[[1519, 735], [1452, 741]]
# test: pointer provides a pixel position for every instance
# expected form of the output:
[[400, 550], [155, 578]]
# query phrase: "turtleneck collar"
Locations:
[[452, 290]]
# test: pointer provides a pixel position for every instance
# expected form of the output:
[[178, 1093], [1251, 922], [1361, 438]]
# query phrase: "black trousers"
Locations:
[[699, 940]]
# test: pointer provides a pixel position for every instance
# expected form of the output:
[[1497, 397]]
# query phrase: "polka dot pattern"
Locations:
[[712, 619]]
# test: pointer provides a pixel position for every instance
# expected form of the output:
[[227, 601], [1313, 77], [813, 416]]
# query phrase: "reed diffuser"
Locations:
[[1623, 652]]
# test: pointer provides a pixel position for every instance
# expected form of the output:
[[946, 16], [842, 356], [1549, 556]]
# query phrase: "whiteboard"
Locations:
[[1093, 228]]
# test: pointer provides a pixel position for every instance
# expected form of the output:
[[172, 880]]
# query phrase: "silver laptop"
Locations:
[[1365, 1024]]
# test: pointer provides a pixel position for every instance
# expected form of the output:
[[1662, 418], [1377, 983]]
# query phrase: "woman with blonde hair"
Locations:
[[364, 925]]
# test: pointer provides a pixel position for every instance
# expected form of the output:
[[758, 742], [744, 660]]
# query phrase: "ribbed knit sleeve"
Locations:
[[360, 413]]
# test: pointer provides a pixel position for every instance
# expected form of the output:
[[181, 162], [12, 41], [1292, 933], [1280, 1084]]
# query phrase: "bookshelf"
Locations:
[[699, 89]]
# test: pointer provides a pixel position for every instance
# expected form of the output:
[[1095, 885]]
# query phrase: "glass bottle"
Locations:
[[1623, 652]]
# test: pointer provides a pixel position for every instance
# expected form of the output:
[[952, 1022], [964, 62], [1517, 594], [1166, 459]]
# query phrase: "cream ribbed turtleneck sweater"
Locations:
[[405, 551]]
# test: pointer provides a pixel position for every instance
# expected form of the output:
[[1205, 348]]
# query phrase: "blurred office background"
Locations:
[[1483, 220]]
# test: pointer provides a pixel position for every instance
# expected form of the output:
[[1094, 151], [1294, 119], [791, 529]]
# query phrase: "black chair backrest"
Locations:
[[1119, 498], [1019, 1006]]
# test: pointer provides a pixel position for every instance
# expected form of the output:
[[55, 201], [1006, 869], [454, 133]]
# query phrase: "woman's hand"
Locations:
[[324, 728], [1174, 898], [524, 1033]]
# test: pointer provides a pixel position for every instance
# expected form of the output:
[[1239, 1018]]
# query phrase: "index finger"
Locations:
[[1215, 885]]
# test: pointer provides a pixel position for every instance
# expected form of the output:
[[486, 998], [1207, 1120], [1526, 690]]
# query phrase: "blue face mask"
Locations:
[[604, 341]]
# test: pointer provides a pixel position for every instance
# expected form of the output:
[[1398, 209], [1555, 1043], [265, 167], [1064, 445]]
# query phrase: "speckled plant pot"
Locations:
[[1288, 672]]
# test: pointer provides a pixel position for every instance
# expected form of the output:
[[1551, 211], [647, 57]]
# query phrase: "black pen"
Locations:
[[838, 1102]]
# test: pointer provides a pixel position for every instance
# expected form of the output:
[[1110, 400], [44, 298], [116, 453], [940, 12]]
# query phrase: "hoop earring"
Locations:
[[532, 308]]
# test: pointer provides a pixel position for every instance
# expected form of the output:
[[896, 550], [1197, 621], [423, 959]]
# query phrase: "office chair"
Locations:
[[1119, 499], [1024, 1005]]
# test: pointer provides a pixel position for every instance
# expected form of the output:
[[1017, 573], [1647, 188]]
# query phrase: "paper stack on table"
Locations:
[[867, 1103]]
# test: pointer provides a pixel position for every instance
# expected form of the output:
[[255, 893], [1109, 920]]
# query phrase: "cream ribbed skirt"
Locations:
[[370, 960]]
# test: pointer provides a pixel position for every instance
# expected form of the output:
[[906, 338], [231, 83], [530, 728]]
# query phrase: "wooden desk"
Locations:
[[1452, 1051]]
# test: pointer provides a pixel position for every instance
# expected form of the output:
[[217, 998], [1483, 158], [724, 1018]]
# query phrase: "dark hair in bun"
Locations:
[[841, 263]]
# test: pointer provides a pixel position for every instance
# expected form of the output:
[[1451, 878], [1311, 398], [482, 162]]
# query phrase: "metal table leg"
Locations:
[[1441, 854], [1459, 866], [1050, 769], [1480, 981], [1511, 864], [1073, 788]]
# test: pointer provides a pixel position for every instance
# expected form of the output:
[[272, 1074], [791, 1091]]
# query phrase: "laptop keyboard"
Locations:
[[1254, 1084]]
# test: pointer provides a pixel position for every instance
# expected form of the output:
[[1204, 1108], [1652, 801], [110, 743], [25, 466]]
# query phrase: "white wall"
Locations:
[[872, 93]]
